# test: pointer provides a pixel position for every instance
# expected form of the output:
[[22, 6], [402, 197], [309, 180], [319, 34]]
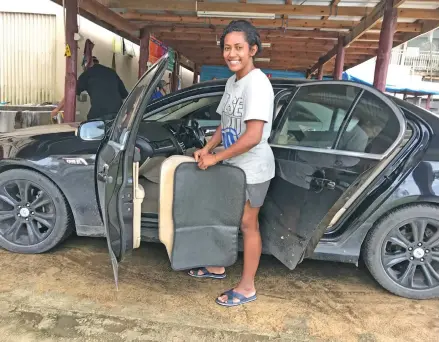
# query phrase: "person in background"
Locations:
[[105, 88], [160, 90]]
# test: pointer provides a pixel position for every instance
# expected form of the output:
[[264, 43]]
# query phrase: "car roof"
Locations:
[[277, 82]]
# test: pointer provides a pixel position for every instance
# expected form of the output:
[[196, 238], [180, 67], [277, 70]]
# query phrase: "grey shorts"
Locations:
[[256, 193]]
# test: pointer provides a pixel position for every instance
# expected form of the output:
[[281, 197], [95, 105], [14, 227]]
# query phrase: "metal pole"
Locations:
[[385, 46], [320, 73], [71, 61], [175, 74], [144, 52], [195, 80], [431, 55], [339, 61], [428, 104]]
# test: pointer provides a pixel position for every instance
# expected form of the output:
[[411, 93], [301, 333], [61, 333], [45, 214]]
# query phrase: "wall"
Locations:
[[27, 56], [126, 67], [186, 77]]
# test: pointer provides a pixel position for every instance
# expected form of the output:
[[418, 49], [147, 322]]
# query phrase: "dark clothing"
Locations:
[[105, 88]]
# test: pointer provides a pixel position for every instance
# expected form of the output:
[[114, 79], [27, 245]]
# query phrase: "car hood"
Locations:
[[41, 130]]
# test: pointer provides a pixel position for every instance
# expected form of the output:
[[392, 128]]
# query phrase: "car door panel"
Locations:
[[117, 163], [200, 212], [313, 184]]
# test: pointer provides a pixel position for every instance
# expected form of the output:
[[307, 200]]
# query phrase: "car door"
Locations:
[[117, 165], [331, 142]]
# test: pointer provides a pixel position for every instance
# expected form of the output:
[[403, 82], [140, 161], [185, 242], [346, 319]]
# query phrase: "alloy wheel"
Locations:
[[27, 213], [410, 254]]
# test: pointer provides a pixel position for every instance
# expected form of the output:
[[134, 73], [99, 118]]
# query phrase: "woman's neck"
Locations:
[[245, 71]]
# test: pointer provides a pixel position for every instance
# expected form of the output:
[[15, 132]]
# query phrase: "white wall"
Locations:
[[126, 67], [187, 77]]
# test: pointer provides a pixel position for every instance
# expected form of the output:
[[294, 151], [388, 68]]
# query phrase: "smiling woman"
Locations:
[[246, 110]]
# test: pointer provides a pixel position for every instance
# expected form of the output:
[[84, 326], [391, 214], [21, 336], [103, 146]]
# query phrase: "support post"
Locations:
[[71, 61], [320, 73], [339, 61], [195, 80], [144, 51], [175, 73], [428, 104], [385, 46]]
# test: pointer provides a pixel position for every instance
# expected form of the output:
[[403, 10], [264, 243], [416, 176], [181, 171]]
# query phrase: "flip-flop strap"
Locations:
[[204, 270], [238, 296], [231, 295]]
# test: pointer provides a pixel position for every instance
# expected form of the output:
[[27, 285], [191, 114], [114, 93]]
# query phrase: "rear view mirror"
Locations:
[[92, 130]]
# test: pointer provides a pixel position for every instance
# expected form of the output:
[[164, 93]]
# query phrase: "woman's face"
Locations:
[[237, 52]]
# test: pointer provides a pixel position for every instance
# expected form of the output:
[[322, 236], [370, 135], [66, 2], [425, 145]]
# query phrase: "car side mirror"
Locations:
[[91, 130]]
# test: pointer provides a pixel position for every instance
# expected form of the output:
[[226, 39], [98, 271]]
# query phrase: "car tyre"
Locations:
[[35, 215], [402, 251]]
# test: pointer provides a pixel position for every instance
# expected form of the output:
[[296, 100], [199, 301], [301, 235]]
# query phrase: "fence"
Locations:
[[424, 62]]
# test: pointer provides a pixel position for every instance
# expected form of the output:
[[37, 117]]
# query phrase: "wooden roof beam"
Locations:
[[365, 24], [275, 33], [143, 19], [325, 11], [105, 14], [104, 17]]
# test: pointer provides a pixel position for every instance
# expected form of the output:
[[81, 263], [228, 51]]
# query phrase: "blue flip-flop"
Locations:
[[231, 295], [206, 273]]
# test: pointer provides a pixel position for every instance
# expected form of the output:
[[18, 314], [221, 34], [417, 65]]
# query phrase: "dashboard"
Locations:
[[168, 138]]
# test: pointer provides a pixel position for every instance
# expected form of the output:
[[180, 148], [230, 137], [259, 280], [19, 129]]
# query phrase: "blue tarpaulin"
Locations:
[[418, 88]]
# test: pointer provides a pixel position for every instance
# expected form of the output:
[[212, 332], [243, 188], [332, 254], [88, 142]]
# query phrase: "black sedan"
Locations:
[[356, 178]]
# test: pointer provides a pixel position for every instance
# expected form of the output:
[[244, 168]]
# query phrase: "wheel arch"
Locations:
[[23, 166], [348, 248], [401, 203]]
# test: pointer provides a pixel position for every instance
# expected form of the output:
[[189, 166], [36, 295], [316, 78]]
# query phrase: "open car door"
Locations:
[[332, 143], [119, 193]]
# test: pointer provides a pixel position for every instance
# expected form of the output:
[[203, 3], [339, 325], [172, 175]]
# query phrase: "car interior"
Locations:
[[176, 130]]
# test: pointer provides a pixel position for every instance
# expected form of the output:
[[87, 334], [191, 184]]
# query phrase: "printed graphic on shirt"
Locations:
[[231, 120]]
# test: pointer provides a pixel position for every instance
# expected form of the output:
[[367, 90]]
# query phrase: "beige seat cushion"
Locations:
[[166, 224], [150, 169]]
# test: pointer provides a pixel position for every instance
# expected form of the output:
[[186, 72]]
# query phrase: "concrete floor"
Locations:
[[69, 295]]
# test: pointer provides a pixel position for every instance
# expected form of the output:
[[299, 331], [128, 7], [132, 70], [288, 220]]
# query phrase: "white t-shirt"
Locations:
[[250, 98]]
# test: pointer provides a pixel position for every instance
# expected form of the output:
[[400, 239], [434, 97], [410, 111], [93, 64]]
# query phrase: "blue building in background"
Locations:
[[209, 72]]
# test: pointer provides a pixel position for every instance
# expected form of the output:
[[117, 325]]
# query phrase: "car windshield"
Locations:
[[201, 107]]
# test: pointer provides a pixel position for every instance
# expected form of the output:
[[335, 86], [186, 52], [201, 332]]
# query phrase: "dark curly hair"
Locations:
[[251, 33]]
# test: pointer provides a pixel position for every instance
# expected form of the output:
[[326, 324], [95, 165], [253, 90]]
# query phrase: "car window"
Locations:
[[314, 116], [126, 115], [201, 109], [373, 128]]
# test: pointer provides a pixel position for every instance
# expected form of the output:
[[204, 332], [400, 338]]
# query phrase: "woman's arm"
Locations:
[[215, 140], [251, 137]]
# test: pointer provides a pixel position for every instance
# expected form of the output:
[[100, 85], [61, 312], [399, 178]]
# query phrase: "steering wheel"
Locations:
[[196, 133]]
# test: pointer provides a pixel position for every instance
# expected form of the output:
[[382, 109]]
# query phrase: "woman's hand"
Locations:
[[198, 154], [207, 160]]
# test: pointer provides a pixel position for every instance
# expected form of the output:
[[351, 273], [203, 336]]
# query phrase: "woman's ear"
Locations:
[[253, 50]]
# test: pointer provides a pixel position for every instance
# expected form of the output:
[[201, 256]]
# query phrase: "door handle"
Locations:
[[323, 182], [104, 177], [319, 183]]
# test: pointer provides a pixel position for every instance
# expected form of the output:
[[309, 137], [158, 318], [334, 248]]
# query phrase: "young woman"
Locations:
[[246, 111]]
